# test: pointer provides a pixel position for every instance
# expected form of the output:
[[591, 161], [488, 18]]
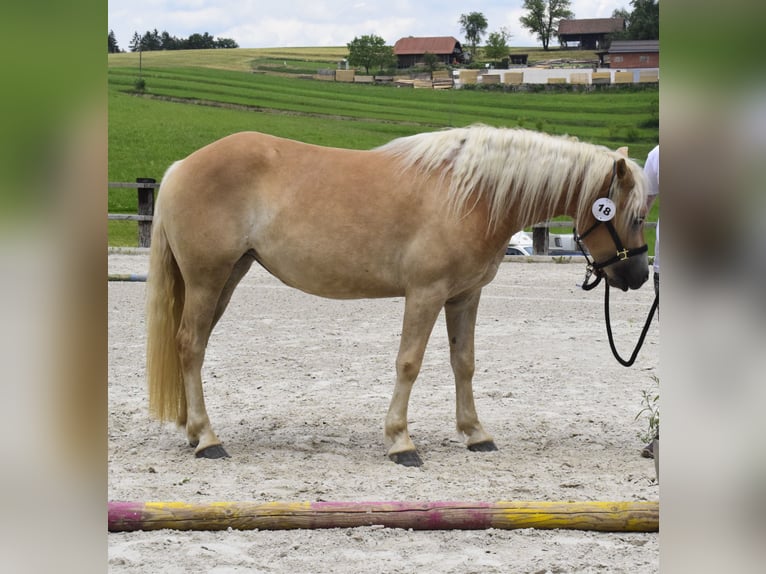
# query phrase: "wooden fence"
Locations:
[[146, 197], [145, 212]]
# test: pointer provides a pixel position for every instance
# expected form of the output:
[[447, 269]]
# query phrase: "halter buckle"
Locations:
[[623, 255]]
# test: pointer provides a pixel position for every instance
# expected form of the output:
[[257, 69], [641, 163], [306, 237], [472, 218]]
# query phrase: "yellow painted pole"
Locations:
[[599, 516]]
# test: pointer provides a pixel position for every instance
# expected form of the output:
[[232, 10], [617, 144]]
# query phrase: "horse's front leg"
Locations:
[[461, 324], [420, 314]]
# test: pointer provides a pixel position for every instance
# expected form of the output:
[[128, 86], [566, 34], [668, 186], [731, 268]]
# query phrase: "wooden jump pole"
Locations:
[[600, 516], [137, 277]]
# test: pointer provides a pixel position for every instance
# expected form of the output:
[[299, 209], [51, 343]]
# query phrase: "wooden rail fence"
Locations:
[[146, 187]]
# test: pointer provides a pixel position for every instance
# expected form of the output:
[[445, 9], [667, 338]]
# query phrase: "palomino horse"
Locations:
[[425, 217]]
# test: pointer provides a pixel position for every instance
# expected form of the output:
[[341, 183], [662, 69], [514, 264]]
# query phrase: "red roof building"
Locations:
[[410, 51], [631, 54], [589, 33]]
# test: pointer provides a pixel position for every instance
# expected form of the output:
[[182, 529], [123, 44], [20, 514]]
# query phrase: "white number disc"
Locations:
[[604, 209]]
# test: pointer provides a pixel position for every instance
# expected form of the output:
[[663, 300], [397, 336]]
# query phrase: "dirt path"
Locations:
[[297, 388]]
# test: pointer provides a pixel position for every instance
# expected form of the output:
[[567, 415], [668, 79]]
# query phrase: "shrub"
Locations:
[[651, 408]]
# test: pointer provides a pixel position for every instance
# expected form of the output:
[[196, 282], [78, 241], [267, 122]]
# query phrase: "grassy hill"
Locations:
[[197, 96], [247, 59]]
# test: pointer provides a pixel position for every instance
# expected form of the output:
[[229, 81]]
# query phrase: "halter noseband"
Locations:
[[593, 267]]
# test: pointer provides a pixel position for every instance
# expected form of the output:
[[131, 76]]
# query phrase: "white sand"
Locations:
[[297, 388]]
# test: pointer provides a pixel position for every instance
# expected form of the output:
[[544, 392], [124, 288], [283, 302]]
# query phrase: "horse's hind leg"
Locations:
[[460, 315], [206, 299], [419, 317], [200, 309], [241, 268]]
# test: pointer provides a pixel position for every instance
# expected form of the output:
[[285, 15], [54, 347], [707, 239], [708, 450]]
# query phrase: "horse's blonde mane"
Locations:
[[532, 171]]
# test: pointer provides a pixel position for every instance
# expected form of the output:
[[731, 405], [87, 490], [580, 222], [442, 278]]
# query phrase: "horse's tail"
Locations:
[[164, 304]]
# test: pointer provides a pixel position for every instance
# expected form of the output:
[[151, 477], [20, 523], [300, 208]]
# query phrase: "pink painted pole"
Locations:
[[600, 516]]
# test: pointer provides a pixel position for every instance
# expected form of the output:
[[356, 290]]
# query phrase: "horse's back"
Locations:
[[330, 221]]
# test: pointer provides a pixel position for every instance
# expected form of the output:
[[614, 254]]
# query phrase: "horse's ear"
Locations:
[[623, 151], [624, 174], [622, 168]]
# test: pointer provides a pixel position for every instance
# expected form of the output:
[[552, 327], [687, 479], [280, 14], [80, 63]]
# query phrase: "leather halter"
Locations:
[[595, 268]]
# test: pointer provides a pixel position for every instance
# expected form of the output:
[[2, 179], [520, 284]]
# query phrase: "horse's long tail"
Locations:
[[164, 303]]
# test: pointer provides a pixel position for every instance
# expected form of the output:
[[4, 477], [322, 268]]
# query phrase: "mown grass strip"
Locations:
[[557, 113]]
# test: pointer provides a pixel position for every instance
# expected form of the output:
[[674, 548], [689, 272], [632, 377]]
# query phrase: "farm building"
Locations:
[[589, 33], [631, 54], [410, 51]]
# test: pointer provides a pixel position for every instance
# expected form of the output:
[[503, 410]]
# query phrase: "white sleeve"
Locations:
[[652, 170]]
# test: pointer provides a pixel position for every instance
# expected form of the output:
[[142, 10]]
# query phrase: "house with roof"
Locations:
[[411, 50], [589, 33], [631, 54]]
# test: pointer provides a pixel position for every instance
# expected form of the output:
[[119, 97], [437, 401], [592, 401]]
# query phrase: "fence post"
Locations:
[[145, 207], [540, 240]]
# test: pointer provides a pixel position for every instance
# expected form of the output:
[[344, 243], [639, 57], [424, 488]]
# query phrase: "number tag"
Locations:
[[603, 209]]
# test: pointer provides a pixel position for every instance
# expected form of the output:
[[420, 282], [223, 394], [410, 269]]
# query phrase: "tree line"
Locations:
[[155, 40], [541, 17]]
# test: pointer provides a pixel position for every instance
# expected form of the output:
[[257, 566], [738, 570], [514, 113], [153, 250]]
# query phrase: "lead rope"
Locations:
[[594, 269], [617, 356]]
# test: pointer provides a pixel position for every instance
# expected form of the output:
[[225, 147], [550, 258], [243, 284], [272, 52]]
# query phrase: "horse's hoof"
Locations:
[[407, 458], [486, 446], [213, 451]]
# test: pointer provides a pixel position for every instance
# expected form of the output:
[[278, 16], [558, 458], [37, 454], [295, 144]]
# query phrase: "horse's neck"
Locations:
[[544, 209]]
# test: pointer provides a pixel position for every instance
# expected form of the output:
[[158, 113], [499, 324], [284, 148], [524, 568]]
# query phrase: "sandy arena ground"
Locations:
[[297, 388]]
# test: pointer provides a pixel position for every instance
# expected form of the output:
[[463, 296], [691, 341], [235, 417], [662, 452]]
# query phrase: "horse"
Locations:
[[426, 217]]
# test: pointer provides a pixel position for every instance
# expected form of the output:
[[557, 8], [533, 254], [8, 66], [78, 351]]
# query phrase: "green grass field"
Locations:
[[195, 97]]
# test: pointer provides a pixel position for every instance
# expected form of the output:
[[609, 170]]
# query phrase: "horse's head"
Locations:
[[614, 227]]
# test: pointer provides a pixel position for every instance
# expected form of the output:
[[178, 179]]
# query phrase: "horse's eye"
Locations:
[[638, 221]]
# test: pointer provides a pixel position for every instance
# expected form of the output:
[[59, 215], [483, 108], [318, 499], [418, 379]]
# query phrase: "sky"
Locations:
[[296, 23]]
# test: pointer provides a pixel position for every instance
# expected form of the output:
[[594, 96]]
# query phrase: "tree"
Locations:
[[168, 42], [200, 42], [497, 45], [225, 43], [473, 25], [151, 41], [113, 47], [430, 61], [643, 23], [543, 17], [369, 51], [135, 43]]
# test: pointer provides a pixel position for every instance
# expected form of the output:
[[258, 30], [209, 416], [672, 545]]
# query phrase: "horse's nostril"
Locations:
[[641, 280]]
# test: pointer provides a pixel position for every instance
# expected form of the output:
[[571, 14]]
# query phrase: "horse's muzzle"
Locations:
[[628, 274]]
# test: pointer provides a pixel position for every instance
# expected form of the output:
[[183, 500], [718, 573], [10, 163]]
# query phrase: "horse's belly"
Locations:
[[340, 286], [333, 274]]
